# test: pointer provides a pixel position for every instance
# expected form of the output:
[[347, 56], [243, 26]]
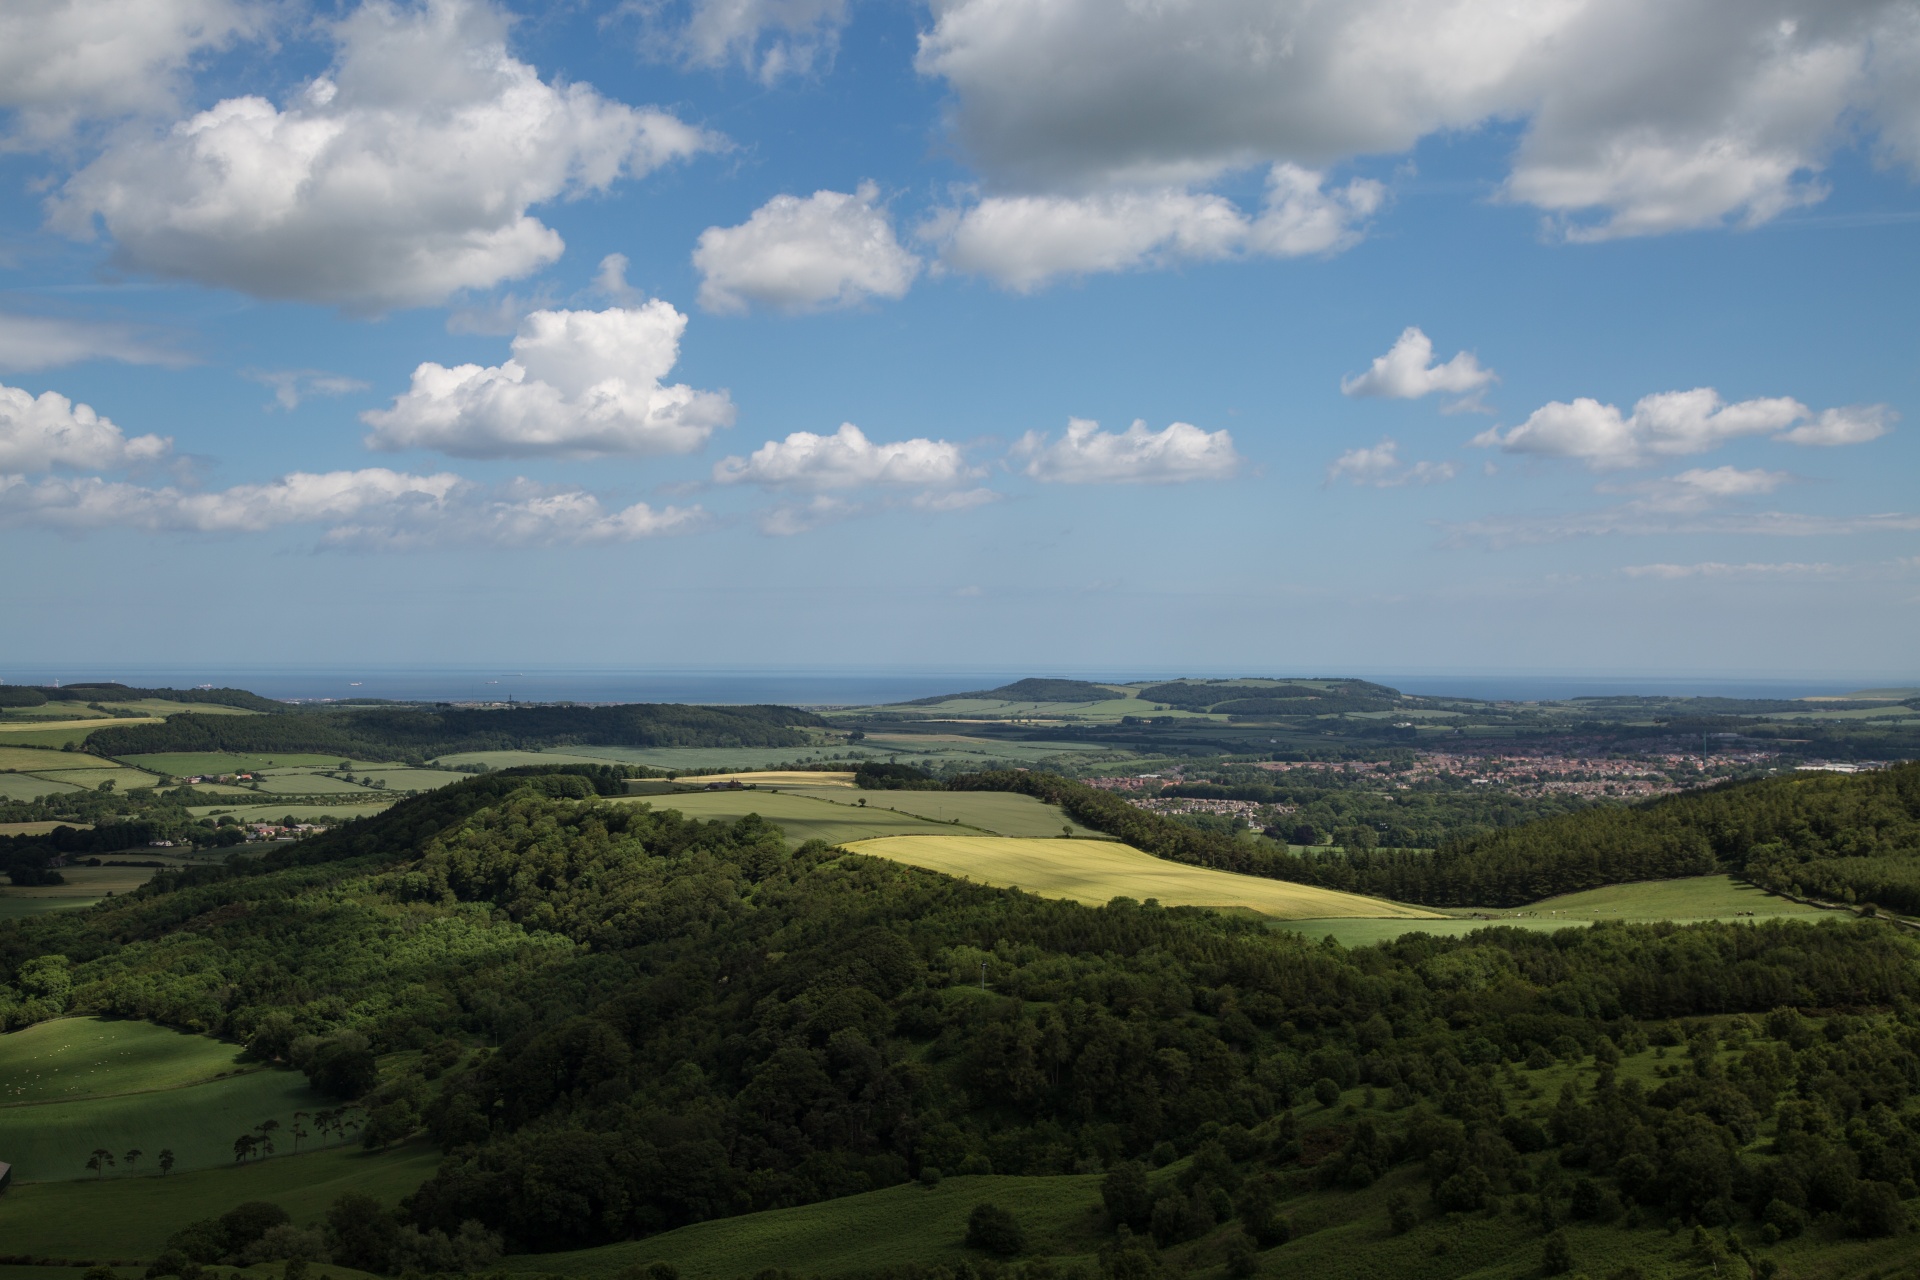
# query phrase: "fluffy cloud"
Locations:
[[1855, 424], [48, 431], [65, 61], [1088, 455], [1639, 116], [1674, 424], [403, 176], [42, 342], [828, 250], [1408, 372], [1025, 241], [580, 383], [845, 460], [1380, 467], [770, 38], [371, 508]]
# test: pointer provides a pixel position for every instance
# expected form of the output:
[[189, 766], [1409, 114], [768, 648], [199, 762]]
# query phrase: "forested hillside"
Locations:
[[628, 1021], [421, 733], [1854, 837]]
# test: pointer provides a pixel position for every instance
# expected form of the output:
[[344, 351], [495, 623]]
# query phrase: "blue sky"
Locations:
[[1582, 340]]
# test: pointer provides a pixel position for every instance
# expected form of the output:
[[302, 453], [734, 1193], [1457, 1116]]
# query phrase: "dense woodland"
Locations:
[[615, 1021], [421, 733]]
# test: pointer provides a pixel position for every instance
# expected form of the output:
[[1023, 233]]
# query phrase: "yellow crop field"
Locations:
[[1097, 871], [773, 778]]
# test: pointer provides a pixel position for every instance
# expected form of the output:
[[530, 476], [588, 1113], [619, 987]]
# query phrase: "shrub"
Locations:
[[994, 1229]]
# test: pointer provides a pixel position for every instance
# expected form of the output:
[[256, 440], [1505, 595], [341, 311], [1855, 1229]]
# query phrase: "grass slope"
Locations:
[[890, 1228], [73, 1058], [1002, 813], [77, 1084], [1691, 898], [84, 886], [1096, 872], [132, 1217], [800, 817]]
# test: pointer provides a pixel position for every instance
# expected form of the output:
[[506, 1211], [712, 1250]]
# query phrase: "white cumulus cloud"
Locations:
[[831, 249], [580, 383], [845, 460], [39, 433], [1023, 242], [1669, 424], [1408, 372], [404, 175], [63, 62], [1380, 466], [1637, 116], [1088, 455]]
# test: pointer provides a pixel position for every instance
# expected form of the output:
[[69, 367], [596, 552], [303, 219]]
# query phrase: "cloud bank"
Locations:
[[48, 431], [1675, 424]]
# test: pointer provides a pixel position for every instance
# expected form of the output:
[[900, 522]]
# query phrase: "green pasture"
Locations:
[[78, 1093], [131, 1217], [891, 1228], [50, 1142], [413, 779], [515, 759], [1693, 898], [84, 886], [103, 772], [801, 818], [184, 763], [58, 733], [300, 783], [256, 809], [23, 786], [35, 759], [68, 1059]]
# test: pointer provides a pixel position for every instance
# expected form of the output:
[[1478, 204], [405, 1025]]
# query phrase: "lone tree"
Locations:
[[166, 1161], [133, 1157], [243, 1146], [100, 1162]]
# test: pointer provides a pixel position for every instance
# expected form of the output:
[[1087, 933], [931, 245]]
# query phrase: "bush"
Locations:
[[992, 1228], [1325, 1091], [1125, 1193], [1557, 1257]]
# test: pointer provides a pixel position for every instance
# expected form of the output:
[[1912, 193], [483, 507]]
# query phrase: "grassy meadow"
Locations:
[[1689, 899], [834, 813], [69, 1059], [131, 1217], [800, 817], [84, 886], [888, 1228], [72, 1085], [1096, 871]]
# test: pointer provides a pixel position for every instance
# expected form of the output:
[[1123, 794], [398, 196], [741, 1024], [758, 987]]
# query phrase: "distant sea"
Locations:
[[862, 687]]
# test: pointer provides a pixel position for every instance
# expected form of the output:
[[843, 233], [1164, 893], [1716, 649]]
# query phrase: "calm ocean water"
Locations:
[[853, 687]]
